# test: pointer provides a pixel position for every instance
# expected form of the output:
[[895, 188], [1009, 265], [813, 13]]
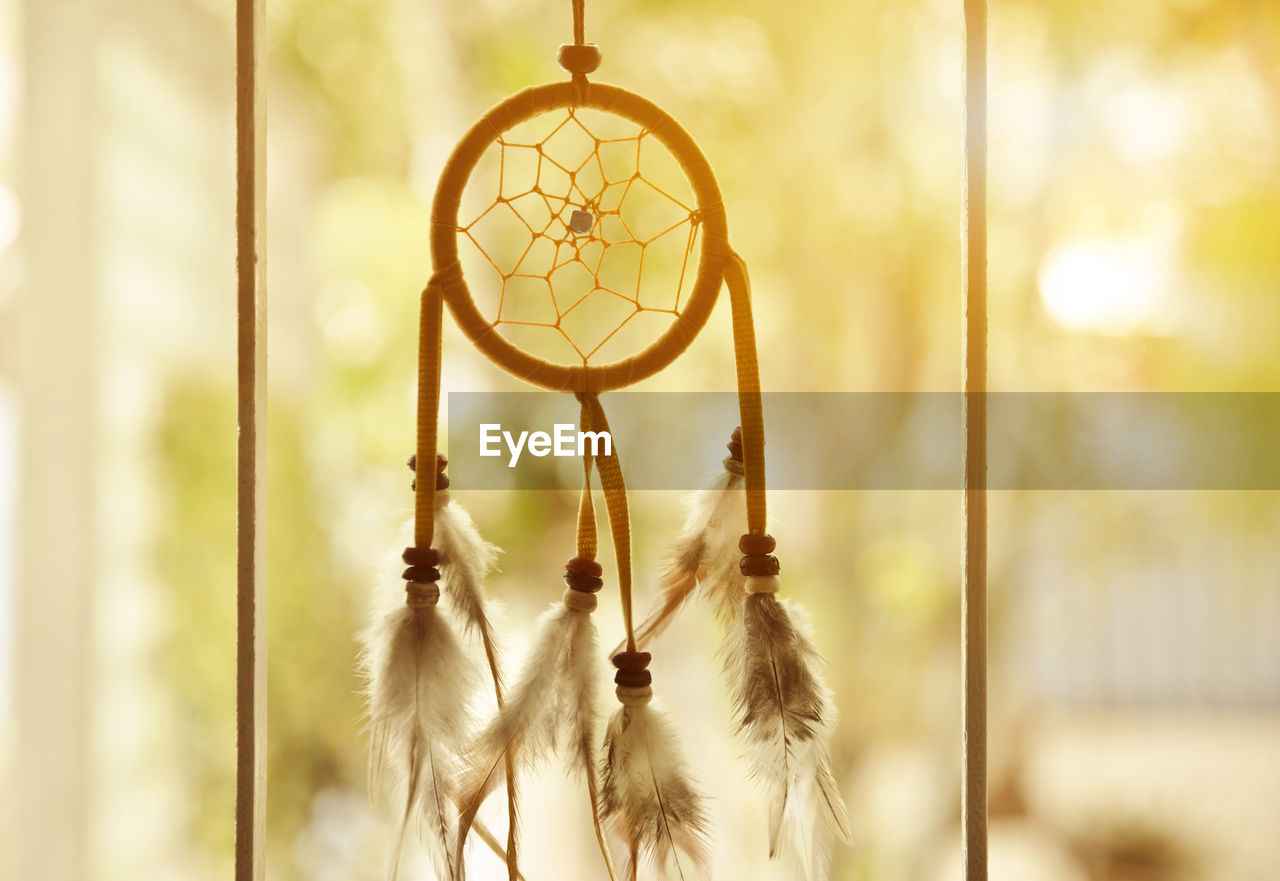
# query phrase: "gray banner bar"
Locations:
[[884, 441]]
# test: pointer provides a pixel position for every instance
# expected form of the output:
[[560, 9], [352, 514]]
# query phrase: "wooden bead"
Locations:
[[585, 566], [441, 463], [582, 582], [759, 564], [421, 556], [735, 444], [421, 574], [633, 678], [757, 543], [632, 660], [578, 57]]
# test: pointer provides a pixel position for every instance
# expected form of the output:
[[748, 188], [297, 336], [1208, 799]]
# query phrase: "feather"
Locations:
[[551, 706], [418, 687], [465, 561], [705, 553], [646, 795], [786, 716]]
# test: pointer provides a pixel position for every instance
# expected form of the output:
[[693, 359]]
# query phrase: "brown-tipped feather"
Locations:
[[648, 798], [786, 716]]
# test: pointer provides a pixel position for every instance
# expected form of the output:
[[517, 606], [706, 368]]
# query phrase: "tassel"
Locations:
[[786, 716], [418, 684], [552, 705], [646, 796]]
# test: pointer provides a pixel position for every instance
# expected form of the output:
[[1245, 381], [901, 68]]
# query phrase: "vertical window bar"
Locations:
[[251, 588], [974, 332]]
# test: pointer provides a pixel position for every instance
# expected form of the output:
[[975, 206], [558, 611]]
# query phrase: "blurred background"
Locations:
[[1135, 246]]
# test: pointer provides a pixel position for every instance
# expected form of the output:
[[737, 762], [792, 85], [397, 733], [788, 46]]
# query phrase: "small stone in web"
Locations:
[[581, 221]]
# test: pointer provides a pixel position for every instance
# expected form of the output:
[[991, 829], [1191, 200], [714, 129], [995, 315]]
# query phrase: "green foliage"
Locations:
[[195, 563], [313, 612]]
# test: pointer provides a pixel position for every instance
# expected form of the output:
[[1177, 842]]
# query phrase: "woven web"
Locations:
[[588, 230]]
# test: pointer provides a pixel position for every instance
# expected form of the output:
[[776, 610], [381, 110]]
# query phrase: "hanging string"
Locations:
[[615, 499], [579, 22], [750, 402], [587, 550], [579, 57], [586, 508]]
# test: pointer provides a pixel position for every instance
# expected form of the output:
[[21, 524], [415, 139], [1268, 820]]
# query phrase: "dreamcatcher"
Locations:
[[592, 224]]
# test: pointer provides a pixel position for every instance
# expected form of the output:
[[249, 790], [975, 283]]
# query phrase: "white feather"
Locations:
[[466, 560], [551, 706], [704, 554], [718, 574], [647, 796], [418, 690]]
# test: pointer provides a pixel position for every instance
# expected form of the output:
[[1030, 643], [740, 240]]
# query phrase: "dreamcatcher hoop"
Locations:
[[709, 214]]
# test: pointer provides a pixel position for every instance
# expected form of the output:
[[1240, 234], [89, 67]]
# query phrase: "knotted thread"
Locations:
[[762, 584], [580, 601], [579, 58], [634, 696], [581, 90], [421, 596]]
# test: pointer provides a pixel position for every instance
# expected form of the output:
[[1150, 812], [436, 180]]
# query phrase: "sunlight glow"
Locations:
[[1143, 121], [1105, 286]]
